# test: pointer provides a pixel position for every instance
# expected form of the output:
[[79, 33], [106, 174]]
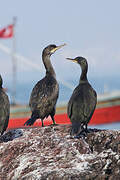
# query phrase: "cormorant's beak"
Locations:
[[57, 47], [74, 60]]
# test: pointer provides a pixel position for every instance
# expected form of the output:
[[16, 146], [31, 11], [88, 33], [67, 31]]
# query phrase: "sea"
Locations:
[[24, 88]]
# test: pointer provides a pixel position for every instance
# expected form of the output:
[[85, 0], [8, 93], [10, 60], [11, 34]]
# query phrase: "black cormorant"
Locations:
[[45, 93], [83, 101], [4, 109]]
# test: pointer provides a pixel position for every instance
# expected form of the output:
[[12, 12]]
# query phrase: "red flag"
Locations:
[[7, 32]]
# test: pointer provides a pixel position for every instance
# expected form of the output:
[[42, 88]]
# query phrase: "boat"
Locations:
[[107, 111]]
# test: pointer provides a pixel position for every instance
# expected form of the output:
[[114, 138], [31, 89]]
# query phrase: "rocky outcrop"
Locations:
[[50, 153]]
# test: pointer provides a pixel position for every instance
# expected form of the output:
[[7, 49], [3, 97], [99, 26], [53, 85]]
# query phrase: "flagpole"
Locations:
[[14, 64]]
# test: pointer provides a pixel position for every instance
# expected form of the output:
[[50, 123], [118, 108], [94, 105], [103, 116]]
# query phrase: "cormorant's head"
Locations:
[[80, 60], [1, 81], [49, 50]]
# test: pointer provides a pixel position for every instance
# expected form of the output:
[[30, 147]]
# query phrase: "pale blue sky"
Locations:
[[90, 29]]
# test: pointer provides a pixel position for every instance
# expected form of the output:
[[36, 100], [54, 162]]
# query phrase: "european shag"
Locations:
[[45, 93], [4, 109], [83, 101]]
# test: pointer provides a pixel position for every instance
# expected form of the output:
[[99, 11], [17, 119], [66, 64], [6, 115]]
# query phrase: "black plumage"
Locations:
[[4, 109], [83, 101], [44, 95]]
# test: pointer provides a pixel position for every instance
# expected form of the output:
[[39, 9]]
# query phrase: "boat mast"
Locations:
[[14, 64]]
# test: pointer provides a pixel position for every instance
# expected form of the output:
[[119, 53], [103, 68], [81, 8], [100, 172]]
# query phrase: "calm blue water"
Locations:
[[112, 126], [24, 88]]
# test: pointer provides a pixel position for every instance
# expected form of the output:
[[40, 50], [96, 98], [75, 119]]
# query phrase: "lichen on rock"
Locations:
[[50, 153]]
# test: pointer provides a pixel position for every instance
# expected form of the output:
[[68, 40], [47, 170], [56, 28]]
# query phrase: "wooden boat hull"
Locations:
[[101, 116]]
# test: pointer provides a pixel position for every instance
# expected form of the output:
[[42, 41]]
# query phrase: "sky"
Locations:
[[89, 28]]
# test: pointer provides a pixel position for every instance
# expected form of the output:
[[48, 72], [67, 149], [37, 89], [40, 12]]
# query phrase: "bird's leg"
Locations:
[[42, 123], [53, 120], [52, 116], [86, 128]]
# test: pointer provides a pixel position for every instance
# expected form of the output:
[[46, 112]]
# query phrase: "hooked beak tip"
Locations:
[[61, 45], [69, 59]]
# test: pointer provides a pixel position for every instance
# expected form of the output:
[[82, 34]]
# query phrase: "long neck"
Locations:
[[83, 77], [48, 65], [1, 82]]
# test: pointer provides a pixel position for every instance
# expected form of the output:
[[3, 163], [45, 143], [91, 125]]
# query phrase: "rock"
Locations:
[[10, 135], [50, 153]]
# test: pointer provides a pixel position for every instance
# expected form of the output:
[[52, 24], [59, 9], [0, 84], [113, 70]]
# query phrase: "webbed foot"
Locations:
[[54, 124]]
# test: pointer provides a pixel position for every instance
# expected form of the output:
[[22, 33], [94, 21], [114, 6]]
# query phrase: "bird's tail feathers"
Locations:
[[76, 129], [30, 121]]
